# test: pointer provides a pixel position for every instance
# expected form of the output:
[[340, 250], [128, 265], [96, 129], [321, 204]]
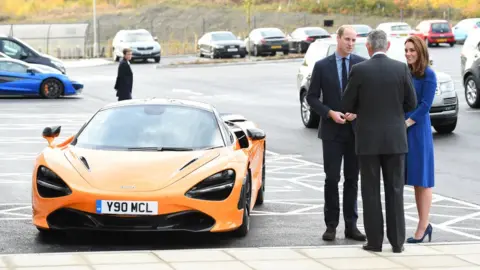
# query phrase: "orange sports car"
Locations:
[[151, 165]]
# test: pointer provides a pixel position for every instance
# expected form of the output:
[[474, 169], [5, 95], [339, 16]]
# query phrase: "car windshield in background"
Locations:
[[138, 37], [401, 28], [151, 127], [440, 28], [362, 29], [316, 32], [223, 36], [272, 33]]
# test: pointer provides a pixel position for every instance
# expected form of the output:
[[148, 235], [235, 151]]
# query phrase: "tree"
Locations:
[[248, 11]]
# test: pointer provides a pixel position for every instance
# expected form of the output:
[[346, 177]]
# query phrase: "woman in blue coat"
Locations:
[[420, 170]]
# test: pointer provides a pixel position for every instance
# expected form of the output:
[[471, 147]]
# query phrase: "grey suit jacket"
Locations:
[[380, 91]]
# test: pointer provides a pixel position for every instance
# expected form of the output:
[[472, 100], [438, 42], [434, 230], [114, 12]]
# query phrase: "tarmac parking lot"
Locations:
[[265, 93]]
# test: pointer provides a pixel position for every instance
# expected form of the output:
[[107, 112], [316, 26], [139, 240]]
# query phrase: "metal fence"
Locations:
[[59, 40]]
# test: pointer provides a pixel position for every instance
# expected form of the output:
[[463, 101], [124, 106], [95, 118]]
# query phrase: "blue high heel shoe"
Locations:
[[428, 232]]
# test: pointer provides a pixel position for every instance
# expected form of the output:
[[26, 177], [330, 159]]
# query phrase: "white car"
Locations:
[[470, 65], [396, 29], [144, 46], [444, 110]]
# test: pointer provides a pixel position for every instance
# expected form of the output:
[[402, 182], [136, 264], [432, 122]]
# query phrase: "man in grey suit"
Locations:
[[380, 91]]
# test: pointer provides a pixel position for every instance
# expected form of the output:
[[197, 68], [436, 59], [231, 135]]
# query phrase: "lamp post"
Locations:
[[95, 54]]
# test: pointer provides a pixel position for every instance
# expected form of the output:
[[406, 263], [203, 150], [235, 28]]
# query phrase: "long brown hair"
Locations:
[[423, 58]]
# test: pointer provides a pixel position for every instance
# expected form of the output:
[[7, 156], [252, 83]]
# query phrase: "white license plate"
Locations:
[[232, 49], [127, 207]]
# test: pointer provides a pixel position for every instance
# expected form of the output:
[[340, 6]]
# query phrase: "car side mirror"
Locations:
[[256, 134], [31, 71], [155, 38], [50, 133]]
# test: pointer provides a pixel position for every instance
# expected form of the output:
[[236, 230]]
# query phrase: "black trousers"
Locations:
[[124, 96], [333, 153], [393, 172]]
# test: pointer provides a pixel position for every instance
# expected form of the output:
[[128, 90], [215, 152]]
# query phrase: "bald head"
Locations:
[[346, 38]]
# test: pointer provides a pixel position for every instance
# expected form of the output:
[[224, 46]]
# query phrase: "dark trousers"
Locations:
[[333, 152], [124, 96], [393, 172]]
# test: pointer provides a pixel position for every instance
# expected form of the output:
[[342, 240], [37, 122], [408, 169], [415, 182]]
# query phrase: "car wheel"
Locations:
[[45, 231], [299, 48], [471, 92], [261, 191], [446, 129], [309, 118], [114, 55], [157, 59], [51, 88], [452, 44], [243, 230], [255, 51]]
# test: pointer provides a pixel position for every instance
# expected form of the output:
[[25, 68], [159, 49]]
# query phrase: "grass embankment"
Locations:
[[179, 23]]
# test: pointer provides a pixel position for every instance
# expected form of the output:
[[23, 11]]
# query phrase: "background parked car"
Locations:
[[435, 32], [144, 46], [221, 44], [17, 49], [444, 110], [301, 38], [362, 29], [396, 29], [463, 27], [262, 41], [470, 64]]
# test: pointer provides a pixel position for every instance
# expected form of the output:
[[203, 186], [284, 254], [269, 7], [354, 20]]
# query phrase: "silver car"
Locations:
[[444, 110], [143, 45]]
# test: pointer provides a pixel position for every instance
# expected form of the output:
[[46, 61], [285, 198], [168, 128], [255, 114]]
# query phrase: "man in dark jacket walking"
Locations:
[[124, 81]]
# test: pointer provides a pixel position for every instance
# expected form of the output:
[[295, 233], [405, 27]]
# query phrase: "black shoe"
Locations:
[[354, 234], [398, 249], [372, 248], [329, 234]]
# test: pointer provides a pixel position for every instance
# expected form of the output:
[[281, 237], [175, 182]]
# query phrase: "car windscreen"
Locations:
[[360, 29], [223, 36], [151, 126], [138, 37], [272, 33], [316, 32], [401, 27], [440, 27]]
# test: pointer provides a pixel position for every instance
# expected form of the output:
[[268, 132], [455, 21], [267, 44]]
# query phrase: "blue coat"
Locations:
[[420, 169]]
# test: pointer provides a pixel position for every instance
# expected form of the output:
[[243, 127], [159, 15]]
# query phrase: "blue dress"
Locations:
[[420, 169]]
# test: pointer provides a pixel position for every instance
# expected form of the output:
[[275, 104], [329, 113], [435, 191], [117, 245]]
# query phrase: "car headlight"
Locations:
[[216, 187], [445, 87], [50, 185]]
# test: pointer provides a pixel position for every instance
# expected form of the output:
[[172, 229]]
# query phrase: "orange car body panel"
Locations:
[[155, 175]]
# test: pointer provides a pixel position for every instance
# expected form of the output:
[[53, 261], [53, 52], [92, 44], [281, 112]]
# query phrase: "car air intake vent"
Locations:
[[84, 160]]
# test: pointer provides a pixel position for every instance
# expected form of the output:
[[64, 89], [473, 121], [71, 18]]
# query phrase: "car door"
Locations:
[[14, 78]]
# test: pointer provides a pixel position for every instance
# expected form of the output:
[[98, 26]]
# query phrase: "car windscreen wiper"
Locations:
[[159, 149]]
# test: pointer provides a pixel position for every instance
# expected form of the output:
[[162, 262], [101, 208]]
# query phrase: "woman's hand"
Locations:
[[409, 122]]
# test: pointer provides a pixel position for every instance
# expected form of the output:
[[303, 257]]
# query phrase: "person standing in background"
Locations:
[[420, 169], [336, 130], [124, 82]]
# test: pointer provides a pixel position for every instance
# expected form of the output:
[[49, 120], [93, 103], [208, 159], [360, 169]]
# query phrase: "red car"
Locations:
[[435, 32]]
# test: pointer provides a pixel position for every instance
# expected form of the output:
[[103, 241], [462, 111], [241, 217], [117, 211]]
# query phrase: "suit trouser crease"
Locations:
[[392, 167], [333, 152]]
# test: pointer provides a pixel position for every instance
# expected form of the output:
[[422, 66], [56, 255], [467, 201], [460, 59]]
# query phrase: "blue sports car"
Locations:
[[19, 78]]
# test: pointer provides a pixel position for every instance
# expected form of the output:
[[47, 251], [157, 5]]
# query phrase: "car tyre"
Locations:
[[51, 88], [157, 59], [471, 92], [261, 191], [309, 117], [243, 230], [446, 129]]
